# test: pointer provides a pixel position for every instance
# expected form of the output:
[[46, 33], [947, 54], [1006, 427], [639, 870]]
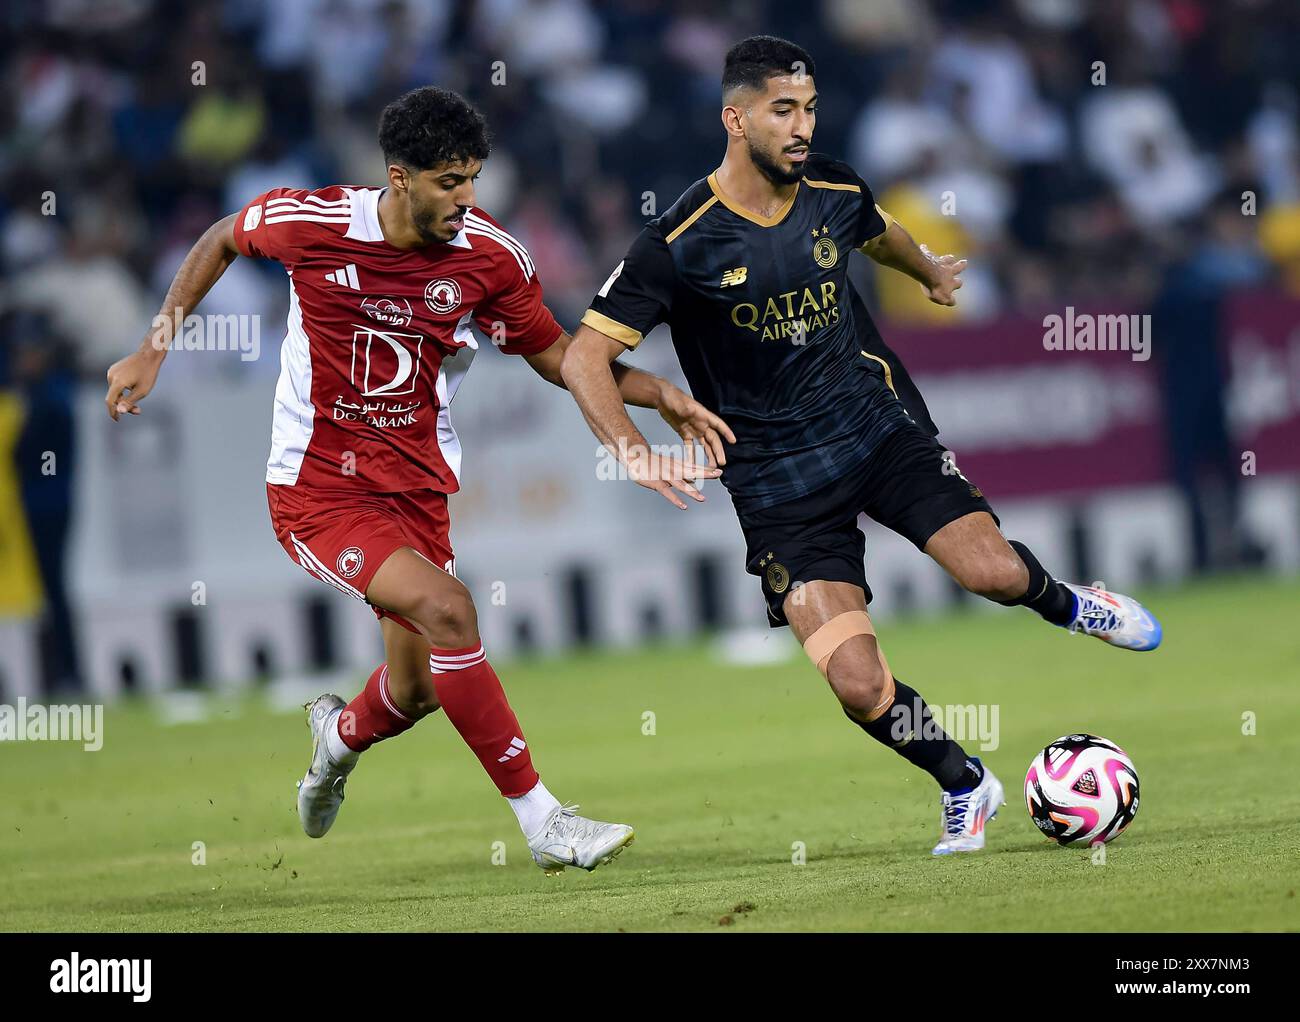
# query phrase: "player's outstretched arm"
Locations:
[[939, 276], [635, 386], [131, 378], [689, 419], [588, 373]]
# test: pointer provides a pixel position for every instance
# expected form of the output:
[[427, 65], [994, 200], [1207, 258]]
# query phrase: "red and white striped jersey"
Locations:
[[379, 338]]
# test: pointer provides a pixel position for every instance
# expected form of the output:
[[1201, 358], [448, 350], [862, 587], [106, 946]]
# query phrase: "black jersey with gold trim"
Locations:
[[769, 331]]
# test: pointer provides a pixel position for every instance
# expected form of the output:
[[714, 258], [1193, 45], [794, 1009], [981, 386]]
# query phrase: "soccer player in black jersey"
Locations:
[[817, 420]]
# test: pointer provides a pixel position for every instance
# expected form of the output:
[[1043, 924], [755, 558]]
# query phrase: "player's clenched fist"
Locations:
[[130, 380]]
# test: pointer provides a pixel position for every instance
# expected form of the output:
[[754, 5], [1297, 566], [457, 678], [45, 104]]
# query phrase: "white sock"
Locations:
[[336, 748], [533, 808]]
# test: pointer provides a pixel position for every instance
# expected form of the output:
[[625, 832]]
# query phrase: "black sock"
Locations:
[[1045, 595], [909, 728]]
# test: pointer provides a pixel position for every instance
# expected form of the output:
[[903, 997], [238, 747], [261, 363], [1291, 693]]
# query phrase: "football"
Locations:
[[1081, 789]]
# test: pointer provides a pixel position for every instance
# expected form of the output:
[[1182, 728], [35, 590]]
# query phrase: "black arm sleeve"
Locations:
[[870, 223], [638, 295]]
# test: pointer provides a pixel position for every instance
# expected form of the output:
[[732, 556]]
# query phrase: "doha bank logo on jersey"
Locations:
[[385, 363]]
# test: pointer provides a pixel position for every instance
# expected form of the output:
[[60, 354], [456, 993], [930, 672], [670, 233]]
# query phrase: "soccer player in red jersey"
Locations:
[[384, 286]]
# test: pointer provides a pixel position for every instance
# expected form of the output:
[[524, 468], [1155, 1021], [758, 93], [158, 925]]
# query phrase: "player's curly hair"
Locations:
[[751, 62], [430, 127]]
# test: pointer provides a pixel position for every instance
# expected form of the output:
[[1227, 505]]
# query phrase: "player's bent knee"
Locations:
[[864, 687], [863, 684], [447, 613], [822, 643]]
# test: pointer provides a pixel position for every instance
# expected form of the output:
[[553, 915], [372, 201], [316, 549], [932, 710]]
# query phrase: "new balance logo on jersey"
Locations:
[[736, 276], [517, 745], [346, 277]]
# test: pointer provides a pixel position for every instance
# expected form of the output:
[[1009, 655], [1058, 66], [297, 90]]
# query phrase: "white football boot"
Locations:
[[320, 792], [567, 839], [1114, 618], [966, 813]]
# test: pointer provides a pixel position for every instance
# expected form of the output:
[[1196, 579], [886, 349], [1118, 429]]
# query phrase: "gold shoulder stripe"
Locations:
[[867, 245], [830, 184], [611, 328], [889, 377], [691, 219]]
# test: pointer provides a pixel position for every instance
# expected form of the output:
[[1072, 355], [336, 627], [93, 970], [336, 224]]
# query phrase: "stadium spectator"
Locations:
[[46, 462], [1188, 314], [1065, 189]]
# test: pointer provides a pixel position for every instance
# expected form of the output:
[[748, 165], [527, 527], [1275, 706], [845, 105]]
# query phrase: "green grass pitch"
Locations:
[[745, 763]]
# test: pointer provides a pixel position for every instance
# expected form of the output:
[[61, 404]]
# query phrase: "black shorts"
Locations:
[[906, 485]]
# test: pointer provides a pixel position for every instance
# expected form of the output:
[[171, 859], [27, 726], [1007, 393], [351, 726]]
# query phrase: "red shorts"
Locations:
[[342, 537]]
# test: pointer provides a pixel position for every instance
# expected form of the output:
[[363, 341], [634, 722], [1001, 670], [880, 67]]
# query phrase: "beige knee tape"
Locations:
[[837, 631], [886, 694]]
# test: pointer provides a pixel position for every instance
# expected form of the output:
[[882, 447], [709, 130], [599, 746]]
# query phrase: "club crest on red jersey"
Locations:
[[442, 295], [350, 561]]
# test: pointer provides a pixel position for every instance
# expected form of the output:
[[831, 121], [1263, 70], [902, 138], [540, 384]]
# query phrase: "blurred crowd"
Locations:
[[1141, 154], [1072, 149]]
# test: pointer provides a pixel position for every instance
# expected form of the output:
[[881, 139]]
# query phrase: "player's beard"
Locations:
[[772, 170], [431, 226]]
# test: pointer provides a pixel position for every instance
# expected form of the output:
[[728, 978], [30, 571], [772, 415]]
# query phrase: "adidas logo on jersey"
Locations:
[[516, 746], [346, 277]]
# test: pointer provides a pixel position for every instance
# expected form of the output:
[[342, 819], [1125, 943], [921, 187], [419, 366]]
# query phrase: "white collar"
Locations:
[[364, 225]]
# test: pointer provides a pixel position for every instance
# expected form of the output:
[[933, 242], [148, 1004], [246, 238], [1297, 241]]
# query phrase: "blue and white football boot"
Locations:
[[966, 812], [1114, 618]]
